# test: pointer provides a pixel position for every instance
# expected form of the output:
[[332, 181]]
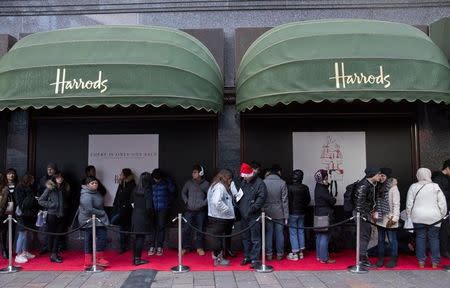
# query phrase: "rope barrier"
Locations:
[[312, 227], [223, 236], [51, 233], [406, 229]]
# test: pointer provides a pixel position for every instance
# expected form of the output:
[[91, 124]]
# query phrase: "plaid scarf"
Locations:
[[383, 207]]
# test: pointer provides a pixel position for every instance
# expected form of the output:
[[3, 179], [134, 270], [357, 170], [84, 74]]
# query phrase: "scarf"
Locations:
[[383, 207]]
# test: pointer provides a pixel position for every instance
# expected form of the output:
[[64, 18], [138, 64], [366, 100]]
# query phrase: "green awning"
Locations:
[[110, 65], [347, 59]]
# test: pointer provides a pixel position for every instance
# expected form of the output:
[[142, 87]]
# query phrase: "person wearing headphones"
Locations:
[[194, 195]]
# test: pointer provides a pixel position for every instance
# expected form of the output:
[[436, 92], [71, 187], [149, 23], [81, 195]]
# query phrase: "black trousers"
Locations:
[[443, 237], [138, 245], [218, 226], [55, 225]]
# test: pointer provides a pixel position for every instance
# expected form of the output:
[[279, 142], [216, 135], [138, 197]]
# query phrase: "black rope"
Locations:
[[406, 229], [312, 227], [51, 233], [222, 236], [112, 228]]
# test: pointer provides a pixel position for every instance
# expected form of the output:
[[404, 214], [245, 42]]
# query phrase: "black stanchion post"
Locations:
[[358, 268], [94, 268], [263, 268], [10, 268], [180, 268]]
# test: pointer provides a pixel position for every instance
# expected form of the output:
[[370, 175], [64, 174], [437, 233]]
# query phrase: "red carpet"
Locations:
[[73, 261]]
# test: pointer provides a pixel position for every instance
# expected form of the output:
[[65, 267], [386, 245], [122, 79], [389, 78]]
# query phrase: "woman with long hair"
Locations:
[[10, 182], [220, 212], [142, 203]]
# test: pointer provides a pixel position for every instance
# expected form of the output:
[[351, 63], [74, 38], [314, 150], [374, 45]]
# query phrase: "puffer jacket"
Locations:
[[365, 197], [277, 204], [251, 203], [52, 200], [194, 194], [91, 202], [163, 194], [220, 202]]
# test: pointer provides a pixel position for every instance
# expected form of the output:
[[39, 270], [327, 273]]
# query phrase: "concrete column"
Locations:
[[17, 141]]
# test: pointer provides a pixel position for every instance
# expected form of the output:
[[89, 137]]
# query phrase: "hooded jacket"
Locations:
[[52, 199], [220, 202], [91, 202]]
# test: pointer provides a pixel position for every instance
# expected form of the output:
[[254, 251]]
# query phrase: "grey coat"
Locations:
[[194, 195], [277, 204], [91, 202], [52, 200]]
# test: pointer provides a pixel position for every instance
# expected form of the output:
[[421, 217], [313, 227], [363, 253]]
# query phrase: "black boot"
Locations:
[[5, 254], [54, 258], [380, 262], [392, 262], [138, 261]]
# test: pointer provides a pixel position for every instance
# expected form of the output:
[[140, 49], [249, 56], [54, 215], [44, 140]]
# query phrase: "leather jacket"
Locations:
[[365, 197]]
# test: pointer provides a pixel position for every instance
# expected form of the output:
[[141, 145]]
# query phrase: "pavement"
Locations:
[[228, 279]]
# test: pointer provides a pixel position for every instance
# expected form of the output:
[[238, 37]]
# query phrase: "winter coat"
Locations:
[[52, 199], [429, 206], [220, 202], [91, 202], [444, 183], [394, 206], [277, 204], [101, 188], [299, 198], [365, 197], [122, 200], [28, 216], [3, 199], [324, 201], [163, 194], [194, 195], [142, 211], [255, 193]]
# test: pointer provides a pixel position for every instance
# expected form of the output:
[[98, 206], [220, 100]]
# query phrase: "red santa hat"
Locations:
[[246, 170]]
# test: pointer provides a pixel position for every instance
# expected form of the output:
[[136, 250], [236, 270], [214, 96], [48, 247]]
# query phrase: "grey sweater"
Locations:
[[194, 195]]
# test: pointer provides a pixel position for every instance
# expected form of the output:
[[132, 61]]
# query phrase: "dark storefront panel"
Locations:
[[3, 138], [388, 141], [182, 143]]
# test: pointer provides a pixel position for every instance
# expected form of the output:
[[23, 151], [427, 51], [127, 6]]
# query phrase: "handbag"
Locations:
[[9, 208], [41, 218], [18, 211], [321, 221]]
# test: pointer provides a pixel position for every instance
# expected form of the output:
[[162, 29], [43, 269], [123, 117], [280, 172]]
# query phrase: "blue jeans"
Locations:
[[322, 245], [422, 231], [101, 239], [21, 243], [197, 219], [297, 236], [393, 243], [279, 236], [251, 239]]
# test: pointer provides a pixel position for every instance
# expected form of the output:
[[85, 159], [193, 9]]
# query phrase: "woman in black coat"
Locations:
[[324, 203], [142, 202]]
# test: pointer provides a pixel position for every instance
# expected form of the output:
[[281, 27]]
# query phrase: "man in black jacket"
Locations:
[[442, 178], [254, 196], [365, 204]]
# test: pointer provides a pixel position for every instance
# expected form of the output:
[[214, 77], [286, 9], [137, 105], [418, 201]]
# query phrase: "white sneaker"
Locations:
[[28, 255], [292, 256], [21, 259], [151, 251]]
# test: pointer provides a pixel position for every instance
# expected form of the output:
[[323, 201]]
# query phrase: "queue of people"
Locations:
[[142, 208]]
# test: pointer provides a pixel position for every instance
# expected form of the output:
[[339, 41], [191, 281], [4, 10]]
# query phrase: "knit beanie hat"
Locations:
[[246, 170], [371, 171], [52, 165], [321, 175], [386, 171]]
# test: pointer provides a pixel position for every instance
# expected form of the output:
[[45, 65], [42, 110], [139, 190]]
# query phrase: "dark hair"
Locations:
[[12, 170], [446, 164], [157, 174], [275, 168], [90, 179], [127, 172], [297, 176], [222, 177], [3, 181], [197, 167], [144, 183], [27, 180], [88, 169], [255, 165]]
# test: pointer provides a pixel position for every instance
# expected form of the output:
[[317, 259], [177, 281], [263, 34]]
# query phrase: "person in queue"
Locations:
[[91, 171], [324, 206], [52, 199], [122, 206], [91, 203], [442, 178], [425, 205], [220, 213], [142, 203], [7, 208]]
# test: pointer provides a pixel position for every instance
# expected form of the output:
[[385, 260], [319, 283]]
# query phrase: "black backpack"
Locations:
[[349, 197]]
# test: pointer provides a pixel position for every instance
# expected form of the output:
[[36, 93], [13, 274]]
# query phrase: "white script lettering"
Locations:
[[342, 80], [61, 84]]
